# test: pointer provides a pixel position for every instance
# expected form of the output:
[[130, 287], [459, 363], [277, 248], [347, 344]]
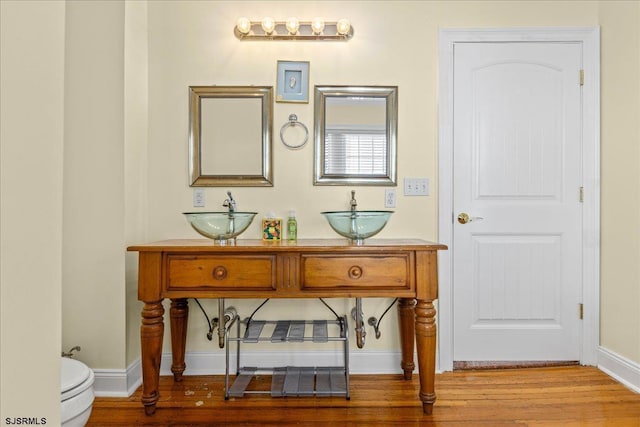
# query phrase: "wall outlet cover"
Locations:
[[198, 198], [390, 198]]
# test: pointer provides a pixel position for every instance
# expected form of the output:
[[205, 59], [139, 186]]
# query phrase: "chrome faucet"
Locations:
[[70, 352], [353, 202], [230, 203]]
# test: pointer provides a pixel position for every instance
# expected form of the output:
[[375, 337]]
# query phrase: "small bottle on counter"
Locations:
[[292, 226]]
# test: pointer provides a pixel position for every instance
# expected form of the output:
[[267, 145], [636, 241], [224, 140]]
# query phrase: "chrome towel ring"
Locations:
[[293, 121]]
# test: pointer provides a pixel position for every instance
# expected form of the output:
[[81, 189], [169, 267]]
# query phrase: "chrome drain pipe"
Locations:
[[224, 317], [358, 316]]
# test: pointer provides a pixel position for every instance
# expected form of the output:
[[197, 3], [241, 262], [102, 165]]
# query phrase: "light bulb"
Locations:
[[317, 25], [343, 26], [243, 25], [268, 25], [292, 25]]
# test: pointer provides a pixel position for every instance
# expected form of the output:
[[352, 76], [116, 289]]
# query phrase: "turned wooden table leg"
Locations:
[[151, 334], [179, 314], [426, 341], [406, 316]]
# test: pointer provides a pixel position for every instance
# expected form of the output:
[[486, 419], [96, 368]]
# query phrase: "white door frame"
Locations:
[[590, 39]]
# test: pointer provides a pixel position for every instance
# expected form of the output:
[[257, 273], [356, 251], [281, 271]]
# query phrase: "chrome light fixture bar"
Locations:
[[293, 29]]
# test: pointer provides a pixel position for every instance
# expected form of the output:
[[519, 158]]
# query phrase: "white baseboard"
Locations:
[[620, 368], [122, 383], [118, 382], [134, 376], [110, 383]]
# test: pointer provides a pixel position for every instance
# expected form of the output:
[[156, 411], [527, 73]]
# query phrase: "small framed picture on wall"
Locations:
[[293, 82]]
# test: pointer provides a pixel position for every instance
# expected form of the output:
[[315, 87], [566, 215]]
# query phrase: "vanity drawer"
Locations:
[[360, 272], [238, 272]]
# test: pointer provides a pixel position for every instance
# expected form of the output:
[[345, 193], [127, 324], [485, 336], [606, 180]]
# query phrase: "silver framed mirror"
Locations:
[[230, 136], [355, 131]]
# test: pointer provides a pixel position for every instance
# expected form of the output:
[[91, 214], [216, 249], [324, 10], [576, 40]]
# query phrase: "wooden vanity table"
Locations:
[[331, 268]]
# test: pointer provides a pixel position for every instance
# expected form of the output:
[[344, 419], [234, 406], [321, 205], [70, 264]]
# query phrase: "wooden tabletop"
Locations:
[[185, 245]]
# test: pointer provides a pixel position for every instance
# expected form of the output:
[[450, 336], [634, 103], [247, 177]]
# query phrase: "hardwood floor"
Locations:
[[560, 396]]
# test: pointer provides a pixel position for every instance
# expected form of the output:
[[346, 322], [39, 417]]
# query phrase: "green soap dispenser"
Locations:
[[292, 226]]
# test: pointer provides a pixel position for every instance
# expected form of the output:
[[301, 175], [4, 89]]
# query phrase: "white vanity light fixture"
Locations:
[[268, 25], [317, 25], [293, 25], [343, 26], [243, 25], [293, 29]]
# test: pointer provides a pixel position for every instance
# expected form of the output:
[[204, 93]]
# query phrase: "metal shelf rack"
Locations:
[[289, 381]]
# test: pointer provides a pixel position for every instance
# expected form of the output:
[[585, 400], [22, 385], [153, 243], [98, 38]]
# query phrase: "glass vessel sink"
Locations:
[[357, 225], [221, 226]]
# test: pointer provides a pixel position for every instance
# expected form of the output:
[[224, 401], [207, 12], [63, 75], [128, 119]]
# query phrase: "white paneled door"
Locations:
[[517, 201]]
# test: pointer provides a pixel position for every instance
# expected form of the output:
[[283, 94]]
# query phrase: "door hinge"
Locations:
[[581, 197], [581, 310], [581, 77]]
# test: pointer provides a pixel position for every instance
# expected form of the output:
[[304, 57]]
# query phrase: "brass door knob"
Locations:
[[464, 218]]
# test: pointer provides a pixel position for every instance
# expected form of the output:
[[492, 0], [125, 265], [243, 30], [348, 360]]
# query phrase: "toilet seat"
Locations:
[[75, 377], [76, 386]]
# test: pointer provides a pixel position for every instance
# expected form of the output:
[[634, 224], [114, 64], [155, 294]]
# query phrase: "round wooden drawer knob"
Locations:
[[219, 272], [355, 272]]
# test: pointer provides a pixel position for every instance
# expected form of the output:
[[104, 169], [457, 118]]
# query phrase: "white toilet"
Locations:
[[77, 392]]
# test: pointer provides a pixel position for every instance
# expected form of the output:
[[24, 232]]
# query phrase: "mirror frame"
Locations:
[[196, 94], [390, 94]]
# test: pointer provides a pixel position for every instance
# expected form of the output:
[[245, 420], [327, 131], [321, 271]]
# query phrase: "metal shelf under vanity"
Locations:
[[289, 381]]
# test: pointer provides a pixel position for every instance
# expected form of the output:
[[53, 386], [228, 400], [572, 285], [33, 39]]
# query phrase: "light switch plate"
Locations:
[[198, 198], [416, 186]]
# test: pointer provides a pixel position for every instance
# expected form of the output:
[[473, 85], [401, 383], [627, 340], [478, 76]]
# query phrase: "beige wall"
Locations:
[[93, 289], [31, 156], [135, 158], [125, 159], [620, 250], [192, 44]]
